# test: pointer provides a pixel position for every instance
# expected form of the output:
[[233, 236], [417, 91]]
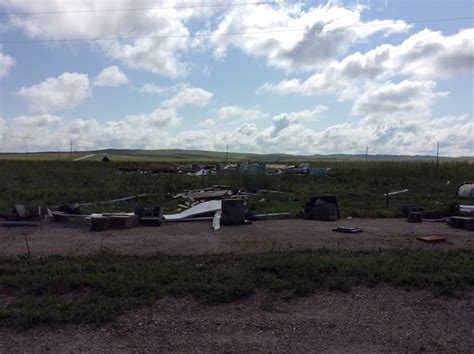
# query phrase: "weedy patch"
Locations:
[[359, 186], [95, 289]]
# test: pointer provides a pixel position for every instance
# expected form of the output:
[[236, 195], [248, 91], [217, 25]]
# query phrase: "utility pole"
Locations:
[[437, 155], [366, 153], [70, 152], [227, 154]]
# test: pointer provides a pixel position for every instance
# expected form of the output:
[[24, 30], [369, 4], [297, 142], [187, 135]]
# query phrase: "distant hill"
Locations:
[[177, 155]]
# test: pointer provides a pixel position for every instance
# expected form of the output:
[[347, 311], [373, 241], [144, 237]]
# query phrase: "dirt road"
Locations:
[[382, 319], [261, 236]]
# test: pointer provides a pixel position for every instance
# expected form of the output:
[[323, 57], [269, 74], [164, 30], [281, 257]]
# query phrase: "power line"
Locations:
[[20, 41], [137, 9]]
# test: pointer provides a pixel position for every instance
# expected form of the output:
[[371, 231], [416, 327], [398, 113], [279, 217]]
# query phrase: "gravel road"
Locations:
[[382, 319], [261, 236]]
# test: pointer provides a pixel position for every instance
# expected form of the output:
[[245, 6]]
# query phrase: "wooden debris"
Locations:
[[432, 239]]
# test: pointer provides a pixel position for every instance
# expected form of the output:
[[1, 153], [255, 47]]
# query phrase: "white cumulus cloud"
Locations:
[[327, 31], [409, 97], [157, 118], [111, 77], [40, 120], [53, 94], [240, 114], [164, 32], [426, 54], [6, 64], [189, 96], [150, 89]]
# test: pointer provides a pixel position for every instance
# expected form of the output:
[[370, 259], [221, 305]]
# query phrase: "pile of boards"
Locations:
[[190, 198]]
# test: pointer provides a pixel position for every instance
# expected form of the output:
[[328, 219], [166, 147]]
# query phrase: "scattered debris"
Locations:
[[71, 208], [118, 200], [397, 192], [162, 168], [21, 211], [195, 219], [388, 194], [209, 195], [216, 220], [271, 216], [150, 216], [59, 216], [209, 207], [253, 168], [347, 230], [466, 208], [432, 239], [408, 208]]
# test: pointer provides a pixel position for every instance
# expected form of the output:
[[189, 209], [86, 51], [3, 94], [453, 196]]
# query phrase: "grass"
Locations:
[[359, 186], [95, 289]]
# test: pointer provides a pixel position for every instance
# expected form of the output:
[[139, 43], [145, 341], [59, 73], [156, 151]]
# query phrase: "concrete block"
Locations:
[[415, 216], [233, 212], [100, 223], [123, 221]]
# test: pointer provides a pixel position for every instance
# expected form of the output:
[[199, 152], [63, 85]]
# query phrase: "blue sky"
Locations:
[[356, 74]]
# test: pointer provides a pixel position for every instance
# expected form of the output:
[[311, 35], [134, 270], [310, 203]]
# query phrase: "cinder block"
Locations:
[[462, 222], [415, 216], [233, 212], [123, 221], [324, 211], [100, 223]]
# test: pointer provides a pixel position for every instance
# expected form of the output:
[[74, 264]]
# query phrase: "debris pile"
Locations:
[[191, 198], [254, 168]]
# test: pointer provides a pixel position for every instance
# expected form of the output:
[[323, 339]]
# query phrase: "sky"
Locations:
[[298, 77]]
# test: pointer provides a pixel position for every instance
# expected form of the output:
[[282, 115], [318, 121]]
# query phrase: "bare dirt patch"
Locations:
[[262, 236], [365, 320]]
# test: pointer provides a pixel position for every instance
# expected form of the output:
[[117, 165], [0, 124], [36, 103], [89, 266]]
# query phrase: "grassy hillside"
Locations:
[[198, 155]]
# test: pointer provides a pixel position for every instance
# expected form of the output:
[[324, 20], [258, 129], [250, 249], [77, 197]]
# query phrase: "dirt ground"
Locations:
[[379, 319], [382, 319], [199, 238]]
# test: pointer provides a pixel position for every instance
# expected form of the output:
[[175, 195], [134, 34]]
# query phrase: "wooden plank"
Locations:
[[432, 239]]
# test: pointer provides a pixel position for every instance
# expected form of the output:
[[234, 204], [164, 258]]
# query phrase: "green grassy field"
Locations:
[[56, 290], [359, 186], [199, 155]]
